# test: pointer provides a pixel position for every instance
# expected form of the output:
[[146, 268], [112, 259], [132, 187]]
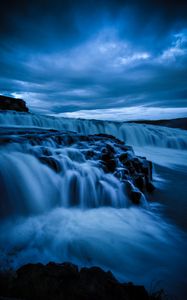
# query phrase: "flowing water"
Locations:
[[82, 215]]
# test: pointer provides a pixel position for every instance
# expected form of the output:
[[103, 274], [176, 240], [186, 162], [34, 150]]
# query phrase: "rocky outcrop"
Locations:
[[109, 153], [9, 103], [66, 282]]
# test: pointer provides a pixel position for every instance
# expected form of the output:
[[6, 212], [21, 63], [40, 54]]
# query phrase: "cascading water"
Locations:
[[29, 186], [59, 204], [131, 133]]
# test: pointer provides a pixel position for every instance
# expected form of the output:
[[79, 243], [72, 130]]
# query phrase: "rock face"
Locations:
[[65, 282], [8, 103]]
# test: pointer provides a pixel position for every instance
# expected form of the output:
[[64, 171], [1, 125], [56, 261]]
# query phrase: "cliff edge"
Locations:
[[9, 103]]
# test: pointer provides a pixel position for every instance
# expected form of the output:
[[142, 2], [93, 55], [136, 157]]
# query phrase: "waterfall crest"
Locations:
[[133, 134], [42, 169]]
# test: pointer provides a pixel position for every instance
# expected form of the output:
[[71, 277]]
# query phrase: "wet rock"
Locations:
[[64, 281], [135, 196], [51, 162], [103, 150], [147, 168], [150, 187], [150, 170], [74, 190], [130, 166], [126, 148], [126, 156], [123, 156], [121, 173], [110, 149], [108, 136], [8, 103], [46, 151], [108, 160], [139, 181], [89, 154]]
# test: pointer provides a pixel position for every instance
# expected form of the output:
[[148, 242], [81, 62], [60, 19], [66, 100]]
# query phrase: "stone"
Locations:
[[89, 154], [65, 282], [51, 162], [104, 151], [150, 187], [134, 193], [108, 159], [139, 181], [9, 103], [135, 196]]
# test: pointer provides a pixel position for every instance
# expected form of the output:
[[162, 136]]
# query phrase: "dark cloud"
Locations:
[[74, 55]]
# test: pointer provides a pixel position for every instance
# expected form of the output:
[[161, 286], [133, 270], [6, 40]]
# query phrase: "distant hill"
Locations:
[[173, 123]]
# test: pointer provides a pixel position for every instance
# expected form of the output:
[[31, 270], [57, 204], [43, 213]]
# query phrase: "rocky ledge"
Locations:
[[66, 282], [109, 153], [9, 103]]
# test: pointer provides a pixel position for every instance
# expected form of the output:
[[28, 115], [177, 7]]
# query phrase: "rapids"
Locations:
[[40, 221], [133, 134]]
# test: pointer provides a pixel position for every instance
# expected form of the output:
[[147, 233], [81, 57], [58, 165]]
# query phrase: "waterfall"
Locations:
[[38, 174], [133, 134], [58, 204]]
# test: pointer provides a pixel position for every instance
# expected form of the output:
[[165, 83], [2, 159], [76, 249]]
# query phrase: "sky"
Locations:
[[89, 57]]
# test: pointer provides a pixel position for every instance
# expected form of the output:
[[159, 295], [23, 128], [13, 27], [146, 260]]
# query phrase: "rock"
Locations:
[[51, 162], [103, 150], [108, 159], [135, 196], [46, 151], [110, 149], [110, 165], [121, 173], [123, 156], [139, 181], [89, 154], [8, 103], [108, 136], [130, 166], [65, 282], [150, 187], [147, 168], [126, 156]]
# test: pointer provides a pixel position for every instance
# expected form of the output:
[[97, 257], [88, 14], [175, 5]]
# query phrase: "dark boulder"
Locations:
[[121, 173], [8, 103], [110, 149], [51, 162], [134, 193], [135, 196], [65, 282], [89, 154], [150, 187], [126, 156], [108, 159], [139, 181]]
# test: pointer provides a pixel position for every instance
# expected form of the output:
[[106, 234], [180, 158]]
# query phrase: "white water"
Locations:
[[137, 244], [28, 186], [132, 134]]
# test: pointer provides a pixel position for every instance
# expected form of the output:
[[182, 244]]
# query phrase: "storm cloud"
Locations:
[[66, 56]]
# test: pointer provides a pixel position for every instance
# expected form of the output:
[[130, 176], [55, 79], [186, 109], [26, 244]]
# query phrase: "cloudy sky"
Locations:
[[101, 55]]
